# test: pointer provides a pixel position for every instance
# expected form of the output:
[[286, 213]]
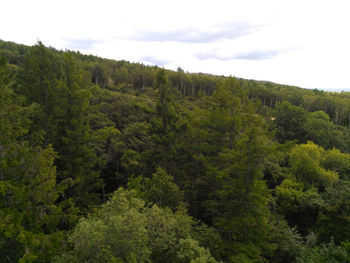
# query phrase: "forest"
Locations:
[[112, 161]]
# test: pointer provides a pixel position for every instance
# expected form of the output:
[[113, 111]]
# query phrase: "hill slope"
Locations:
[[104, 161]]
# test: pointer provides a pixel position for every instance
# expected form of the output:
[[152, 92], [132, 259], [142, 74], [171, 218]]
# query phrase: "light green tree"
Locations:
[[305, 164], [124, 229]]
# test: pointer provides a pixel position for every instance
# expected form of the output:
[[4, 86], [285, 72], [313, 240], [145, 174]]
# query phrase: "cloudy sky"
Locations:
[[297, 42]]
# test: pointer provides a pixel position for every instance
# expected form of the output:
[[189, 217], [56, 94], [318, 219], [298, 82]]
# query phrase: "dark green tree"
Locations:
[[334, 219], [60, 88], [29, 213], [290, 122], [77, 158], [39, 82], [165, 128], [165, 109], [236, 143], [160, 190]]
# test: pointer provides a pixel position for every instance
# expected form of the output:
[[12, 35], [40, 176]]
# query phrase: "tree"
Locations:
[[334, 219], [38, 81], [160, 189], [299, 205], [236, 143], [325, 253], [77, 158], [318, 128], [124, 229], [305, 163], [166, 130], [29, 213], [60, 89], [290, 121], [289, 242], [337, 161], [164, 109]]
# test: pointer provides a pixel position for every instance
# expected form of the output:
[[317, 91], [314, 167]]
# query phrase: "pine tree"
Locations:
[[60, 88], [234, 145], [29, 213], [77, 158], [38, 82], [163, 126]]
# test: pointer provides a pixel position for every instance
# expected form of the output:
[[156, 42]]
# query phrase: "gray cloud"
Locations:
[[155, 60], [80, 43], [259, 54], [212, 54], [262, 54], [219, 32]]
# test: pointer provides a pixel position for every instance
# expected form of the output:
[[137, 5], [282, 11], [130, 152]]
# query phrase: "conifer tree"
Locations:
[[60, 89], [163, 125], [235, 145], [76, 155], [38, 81], [29, 213]]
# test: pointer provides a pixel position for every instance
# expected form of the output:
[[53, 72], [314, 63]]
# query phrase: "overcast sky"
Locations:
[[304, 43]]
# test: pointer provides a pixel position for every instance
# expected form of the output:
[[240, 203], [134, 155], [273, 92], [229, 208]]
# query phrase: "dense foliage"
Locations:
[[109, 161]]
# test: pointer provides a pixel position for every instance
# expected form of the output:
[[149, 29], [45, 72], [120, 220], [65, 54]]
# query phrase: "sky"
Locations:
[[305, 43]]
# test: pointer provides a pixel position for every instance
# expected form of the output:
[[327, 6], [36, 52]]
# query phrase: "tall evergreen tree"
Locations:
[[163, 126], [76, 154], [60, 88], [38, 81], [235, 145], [29, 215]]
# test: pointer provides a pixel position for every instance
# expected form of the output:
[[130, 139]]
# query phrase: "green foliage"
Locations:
[[164, 107], [299, 205], [189, 250], [326, 253], [333, 221], [94, 125], [337, 161], [76, 156], [60, 89], [289, 195], [305, 162], [290, 122], [125, 230], [319, 128], [39, 82], [29, 214], [289, 242], [236, 144], [164, 126], [160, 189]]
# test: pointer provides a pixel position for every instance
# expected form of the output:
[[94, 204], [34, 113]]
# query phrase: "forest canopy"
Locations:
[[111, 161]]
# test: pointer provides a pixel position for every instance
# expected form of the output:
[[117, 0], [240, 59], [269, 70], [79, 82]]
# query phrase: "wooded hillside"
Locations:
[[111, 161]]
